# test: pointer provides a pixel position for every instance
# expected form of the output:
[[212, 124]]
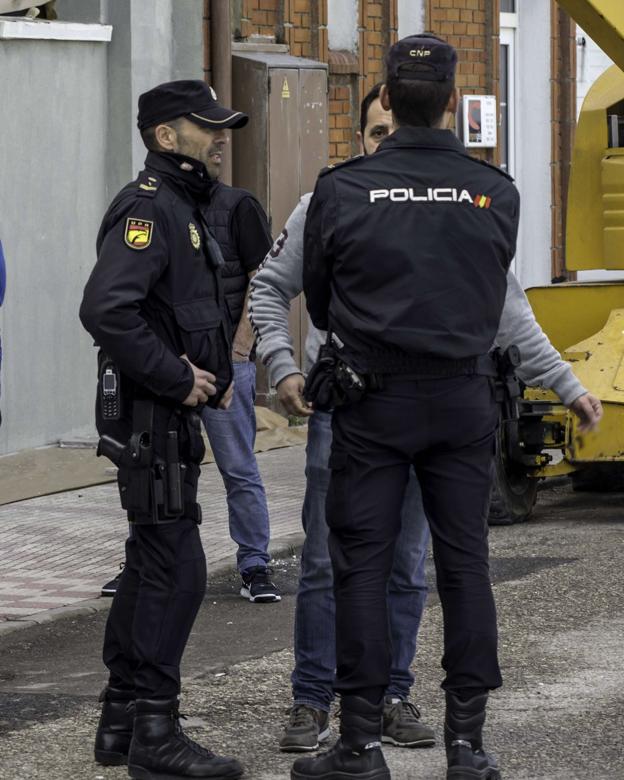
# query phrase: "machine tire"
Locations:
[[513, 493]]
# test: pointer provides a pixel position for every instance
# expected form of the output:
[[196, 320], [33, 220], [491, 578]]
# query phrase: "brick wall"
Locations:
[[472, 27], [377, 28], [260, 17], [302, 24]]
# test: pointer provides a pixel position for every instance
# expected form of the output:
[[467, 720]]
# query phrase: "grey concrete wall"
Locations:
[[85, 11], [69, 143], [153, 41], [52, 197]]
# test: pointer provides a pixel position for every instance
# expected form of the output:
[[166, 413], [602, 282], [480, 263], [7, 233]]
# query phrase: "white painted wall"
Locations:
[[342, 25], [591, 62], [533, 142], [411, 17]]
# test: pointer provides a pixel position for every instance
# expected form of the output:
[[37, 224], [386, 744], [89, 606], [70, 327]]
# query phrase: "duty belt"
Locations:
[[426, 366]]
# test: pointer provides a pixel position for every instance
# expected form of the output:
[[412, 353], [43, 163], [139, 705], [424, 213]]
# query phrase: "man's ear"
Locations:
[[383, 98], [166, 137], [360, 141], [453, 103]]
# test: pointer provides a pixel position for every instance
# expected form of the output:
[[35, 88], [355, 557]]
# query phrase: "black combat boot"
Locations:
[[357, 754], [160, 750], [114, 732], [462, 737]]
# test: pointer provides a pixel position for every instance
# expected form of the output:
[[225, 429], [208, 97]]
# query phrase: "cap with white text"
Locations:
[[422, 57]]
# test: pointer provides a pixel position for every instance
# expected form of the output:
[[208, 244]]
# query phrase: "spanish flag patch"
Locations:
[[138, 234]]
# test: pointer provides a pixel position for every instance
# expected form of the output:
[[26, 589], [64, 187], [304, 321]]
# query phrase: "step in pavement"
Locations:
[[57, 551]]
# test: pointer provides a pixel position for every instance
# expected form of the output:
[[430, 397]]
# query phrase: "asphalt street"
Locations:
[[559, 589]]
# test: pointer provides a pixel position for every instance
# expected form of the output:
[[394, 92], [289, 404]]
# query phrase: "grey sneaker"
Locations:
[[307, 727], [402, 726]]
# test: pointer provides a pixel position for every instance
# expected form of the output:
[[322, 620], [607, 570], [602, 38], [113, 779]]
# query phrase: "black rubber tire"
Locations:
[[513, 493]]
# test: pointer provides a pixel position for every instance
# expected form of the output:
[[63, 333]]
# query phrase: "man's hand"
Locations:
[[203, 386], [589, 411], [226, 398], [290, 393]]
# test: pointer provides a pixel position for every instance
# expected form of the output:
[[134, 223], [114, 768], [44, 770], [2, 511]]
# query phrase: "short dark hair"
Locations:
[[366, 103], [148, 134], [418, 103]]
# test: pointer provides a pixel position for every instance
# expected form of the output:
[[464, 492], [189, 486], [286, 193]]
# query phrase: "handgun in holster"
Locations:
[[319, 387], [151, 488], [332, 382], [508, 388]]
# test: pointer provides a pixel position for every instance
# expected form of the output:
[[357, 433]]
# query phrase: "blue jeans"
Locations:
[[232, 435], [315, 643]]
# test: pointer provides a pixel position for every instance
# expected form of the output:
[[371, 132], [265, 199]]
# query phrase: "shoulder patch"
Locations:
[[335, 166], [493, 167], [138, 233], [147, 185]]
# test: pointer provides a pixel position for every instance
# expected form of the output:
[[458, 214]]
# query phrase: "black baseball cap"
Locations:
[[422, 57], [193, 99]]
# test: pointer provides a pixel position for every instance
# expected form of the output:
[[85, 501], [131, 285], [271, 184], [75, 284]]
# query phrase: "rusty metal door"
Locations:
[[279, 154]]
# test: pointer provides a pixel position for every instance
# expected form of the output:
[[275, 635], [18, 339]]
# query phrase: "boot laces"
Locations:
[[409, 711], [190, 743], [301, 715]]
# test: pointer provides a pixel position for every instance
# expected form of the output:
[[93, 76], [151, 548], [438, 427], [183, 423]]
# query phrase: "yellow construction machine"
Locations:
[[584, 320]]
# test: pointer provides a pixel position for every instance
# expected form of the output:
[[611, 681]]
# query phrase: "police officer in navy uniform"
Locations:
[[406, 253], [154, 305]]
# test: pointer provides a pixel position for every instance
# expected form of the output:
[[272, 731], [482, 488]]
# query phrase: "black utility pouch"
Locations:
[[320, 385]]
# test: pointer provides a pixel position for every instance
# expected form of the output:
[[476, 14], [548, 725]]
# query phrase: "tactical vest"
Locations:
[[218, 216]]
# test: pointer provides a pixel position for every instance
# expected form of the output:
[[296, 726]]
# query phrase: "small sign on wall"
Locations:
[[478, 121]]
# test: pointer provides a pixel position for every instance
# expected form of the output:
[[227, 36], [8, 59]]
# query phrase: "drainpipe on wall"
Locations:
[[221, 66]]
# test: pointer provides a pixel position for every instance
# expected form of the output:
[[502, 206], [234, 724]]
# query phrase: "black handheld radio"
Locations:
[[110, 391]]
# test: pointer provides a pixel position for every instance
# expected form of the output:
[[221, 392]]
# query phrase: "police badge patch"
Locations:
[[194, 235], [138, 233]]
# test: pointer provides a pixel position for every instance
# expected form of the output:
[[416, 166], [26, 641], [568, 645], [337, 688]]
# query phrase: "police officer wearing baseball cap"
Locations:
[[406, 254], [154, 305]]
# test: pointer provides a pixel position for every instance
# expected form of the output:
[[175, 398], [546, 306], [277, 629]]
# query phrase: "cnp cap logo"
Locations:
[[422, 57]]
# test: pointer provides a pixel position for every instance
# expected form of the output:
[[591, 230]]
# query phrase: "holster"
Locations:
[[508, 388], [157, 484], [332, 382]]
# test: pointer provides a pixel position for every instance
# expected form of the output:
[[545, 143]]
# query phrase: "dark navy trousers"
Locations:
[[445, 430], [162, 585]]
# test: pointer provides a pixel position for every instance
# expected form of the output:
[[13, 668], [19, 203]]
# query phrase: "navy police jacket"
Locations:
[[155, 292], [406, 251]]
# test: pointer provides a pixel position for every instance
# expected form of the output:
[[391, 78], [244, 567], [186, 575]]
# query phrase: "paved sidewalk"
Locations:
[[57, 551]]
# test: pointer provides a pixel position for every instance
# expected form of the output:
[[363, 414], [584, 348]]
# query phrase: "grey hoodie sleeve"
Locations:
[[278, 281], [541, 363]]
